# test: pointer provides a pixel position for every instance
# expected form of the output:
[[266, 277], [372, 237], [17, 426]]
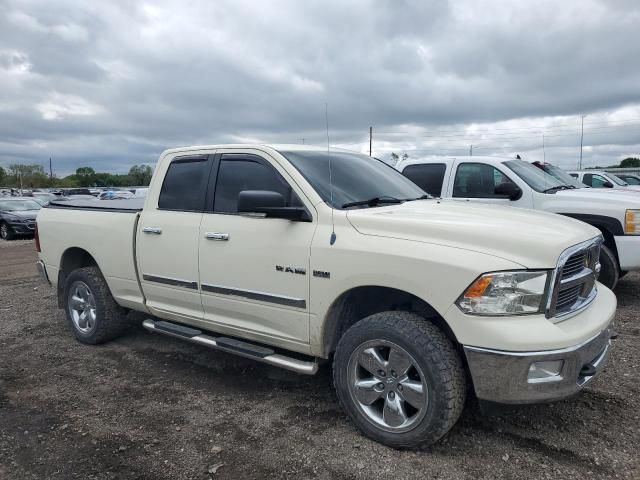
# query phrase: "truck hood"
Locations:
[[530, 238], [615, 197], [22, 214]]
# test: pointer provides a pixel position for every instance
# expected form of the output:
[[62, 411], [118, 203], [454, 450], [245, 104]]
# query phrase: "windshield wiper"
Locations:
[[423, 197], [372, 202], [558, 187]]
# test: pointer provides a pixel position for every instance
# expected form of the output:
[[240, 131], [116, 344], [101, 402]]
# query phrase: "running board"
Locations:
[[231, 345]]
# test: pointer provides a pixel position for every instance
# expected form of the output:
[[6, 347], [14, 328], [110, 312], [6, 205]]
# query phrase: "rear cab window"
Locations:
[[428, 176], [185, 183]]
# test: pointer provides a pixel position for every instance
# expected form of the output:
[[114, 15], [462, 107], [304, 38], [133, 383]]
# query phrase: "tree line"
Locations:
[[34, 176]]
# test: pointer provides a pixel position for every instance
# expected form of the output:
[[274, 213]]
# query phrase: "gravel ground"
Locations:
[[151, 407]]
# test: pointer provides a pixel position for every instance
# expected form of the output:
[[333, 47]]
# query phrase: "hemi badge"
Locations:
[[321, 274]]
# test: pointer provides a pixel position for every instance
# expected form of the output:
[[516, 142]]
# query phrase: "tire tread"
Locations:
[[441, 353]]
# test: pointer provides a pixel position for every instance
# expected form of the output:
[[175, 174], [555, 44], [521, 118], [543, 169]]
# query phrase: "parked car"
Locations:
[[260, 251], [140, 192], [76, 191], [601, 179], [44, 198], [510, 182], [17, 216], [115, 195], [630, 178]]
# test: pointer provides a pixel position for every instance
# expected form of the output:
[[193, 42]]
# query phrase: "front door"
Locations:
[[167, 240], [254, 271]]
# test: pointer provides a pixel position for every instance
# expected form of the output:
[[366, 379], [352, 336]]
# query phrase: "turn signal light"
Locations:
[[632, 222]]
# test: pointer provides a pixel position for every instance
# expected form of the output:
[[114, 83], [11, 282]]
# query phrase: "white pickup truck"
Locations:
[[291, 255], [514, 182], [601, 179]]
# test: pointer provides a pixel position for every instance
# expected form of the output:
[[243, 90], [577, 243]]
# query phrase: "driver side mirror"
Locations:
[[607, 184], [509, 190], [271, 204]]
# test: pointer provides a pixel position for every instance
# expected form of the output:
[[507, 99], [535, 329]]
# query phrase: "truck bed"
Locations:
[[104, 229]]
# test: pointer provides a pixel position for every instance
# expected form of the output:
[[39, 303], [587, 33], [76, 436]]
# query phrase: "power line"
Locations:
[[534, 127]]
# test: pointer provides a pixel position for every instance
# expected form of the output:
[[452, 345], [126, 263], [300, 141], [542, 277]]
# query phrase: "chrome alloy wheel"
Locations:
[[4, 231], [388, 386], [82, 307]]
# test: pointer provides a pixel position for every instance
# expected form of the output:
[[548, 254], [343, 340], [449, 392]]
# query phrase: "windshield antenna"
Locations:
[[332, 240]]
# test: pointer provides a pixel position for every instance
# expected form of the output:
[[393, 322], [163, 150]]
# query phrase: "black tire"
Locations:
[[609, 272], [6, 233], [436, 357], [110, 318]]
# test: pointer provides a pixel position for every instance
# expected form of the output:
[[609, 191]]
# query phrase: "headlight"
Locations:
[[632, 222], [505, 293]]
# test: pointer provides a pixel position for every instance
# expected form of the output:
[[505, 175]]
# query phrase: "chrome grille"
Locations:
[[574, 264], [574, 280]]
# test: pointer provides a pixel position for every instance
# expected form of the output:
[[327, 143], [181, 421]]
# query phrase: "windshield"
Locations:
[[561, 175], [356, 177], [18, 205], [617, 180], [537, 179], [632, 180]]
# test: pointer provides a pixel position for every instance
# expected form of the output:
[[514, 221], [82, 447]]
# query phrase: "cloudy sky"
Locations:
[[110, 84]]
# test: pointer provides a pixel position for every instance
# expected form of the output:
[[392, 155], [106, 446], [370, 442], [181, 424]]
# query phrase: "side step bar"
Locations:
[[231, 345]]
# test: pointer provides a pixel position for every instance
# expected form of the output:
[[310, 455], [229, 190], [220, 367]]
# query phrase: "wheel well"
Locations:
[[72, 259], [360, 302], [609, 242]]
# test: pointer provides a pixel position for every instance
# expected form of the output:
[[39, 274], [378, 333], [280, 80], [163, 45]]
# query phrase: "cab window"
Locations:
[[477, 180], [428, 176], [185, 184], [237, 173], [595, 181]]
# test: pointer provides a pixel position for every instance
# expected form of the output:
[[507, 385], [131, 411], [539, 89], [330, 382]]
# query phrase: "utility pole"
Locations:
[[50, 170], [544, 153], [370, 141], [581, 137], [471, 150]]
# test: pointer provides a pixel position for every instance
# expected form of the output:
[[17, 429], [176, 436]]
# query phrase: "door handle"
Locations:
[[155, 230], [216, 236]]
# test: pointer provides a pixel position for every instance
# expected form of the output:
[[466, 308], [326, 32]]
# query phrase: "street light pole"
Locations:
[[581, 138]]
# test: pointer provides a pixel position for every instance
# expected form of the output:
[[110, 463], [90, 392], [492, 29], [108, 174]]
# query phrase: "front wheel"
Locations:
[[5, 232], [400, 379], [609, 270]]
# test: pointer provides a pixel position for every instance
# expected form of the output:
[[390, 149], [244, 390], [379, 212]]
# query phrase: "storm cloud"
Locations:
[[110, 84]]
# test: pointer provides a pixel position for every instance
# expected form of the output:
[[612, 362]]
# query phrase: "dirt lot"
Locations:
[[150, 407]]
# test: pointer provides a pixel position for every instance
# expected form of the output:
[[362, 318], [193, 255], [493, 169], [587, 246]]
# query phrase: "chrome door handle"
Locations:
[[155, 230], [216, 236]]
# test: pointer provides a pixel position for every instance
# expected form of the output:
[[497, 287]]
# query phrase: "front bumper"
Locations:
[[23, 228], [503, 377], [628, 247]]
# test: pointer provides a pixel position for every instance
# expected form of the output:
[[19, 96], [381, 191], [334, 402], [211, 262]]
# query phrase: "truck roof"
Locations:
[[441, 158], [277, 147]]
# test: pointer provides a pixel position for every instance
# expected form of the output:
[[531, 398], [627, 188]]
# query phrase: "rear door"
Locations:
[[254, 271], [167, 239], [477, 182]]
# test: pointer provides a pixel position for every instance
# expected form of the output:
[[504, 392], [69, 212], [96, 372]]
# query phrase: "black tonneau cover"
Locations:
[[128, 205]]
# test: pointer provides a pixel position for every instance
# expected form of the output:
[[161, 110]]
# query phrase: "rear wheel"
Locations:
[[400, 379], [92, 313], [609, 270], [6, 233]]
